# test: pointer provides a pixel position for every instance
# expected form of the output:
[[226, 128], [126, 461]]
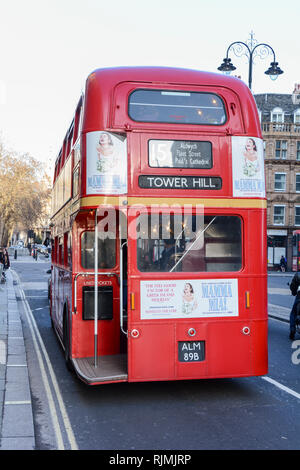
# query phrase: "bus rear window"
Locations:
[[182, 107], [172, 243]]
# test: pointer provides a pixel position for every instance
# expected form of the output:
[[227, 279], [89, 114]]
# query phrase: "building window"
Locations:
[[298, 151], [277, 115], [279, 212], [280, 181], [298, 183], [297, 215], [297, 116], [281, 149]]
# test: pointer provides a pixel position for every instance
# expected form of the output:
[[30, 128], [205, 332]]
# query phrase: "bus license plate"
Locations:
[[191, 351]]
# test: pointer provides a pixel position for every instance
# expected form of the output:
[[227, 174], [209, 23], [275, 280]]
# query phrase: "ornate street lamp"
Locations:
[[251, 49]]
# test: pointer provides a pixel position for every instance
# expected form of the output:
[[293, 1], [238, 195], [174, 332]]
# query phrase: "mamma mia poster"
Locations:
[[197, 298], [248, 177], [106, 167]]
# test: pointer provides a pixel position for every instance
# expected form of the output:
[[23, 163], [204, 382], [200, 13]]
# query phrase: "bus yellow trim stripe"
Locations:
[[147, 201]]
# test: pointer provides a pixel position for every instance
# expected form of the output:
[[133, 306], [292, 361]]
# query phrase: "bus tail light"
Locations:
[[132, 301], [247, 299]]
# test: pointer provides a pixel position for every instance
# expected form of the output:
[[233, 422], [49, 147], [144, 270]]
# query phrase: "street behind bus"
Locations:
[[240, 413]]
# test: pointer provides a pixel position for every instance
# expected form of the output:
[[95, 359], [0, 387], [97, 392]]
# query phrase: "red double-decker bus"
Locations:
[[161, 175]]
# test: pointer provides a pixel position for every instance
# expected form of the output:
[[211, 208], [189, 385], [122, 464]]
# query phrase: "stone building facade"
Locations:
[[280, 121]]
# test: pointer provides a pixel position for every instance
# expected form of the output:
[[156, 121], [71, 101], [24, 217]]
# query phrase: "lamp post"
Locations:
[[251, 49]]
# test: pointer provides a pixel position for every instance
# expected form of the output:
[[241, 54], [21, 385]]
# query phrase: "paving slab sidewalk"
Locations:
[[16, 417]]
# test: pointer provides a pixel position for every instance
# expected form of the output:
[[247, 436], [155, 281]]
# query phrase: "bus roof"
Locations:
[[168, 75], [108, 78]]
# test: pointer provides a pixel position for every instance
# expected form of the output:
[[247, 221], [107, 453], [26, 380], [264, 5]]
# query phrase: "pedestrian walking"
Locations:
[[283, 264], [2, 274], [6, 262]]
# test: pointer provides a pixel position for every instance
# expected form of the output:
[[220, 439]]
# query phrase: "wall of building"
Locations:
[[280, 121]]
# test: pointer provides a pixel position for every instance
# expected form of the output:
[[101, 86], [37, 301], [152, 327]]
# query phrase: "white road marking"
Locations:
[[16, 365], [282, 387], [34, 285], [37, 296], [277, 319], [275, 306], [2, 352], [53, 413], [278, 384], [279, 291], [24, 402], [40, 347]]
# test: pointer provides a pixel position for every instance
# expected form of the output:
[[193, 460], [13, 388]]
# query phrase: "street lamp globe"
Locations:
[[226, 67], [273, 71]]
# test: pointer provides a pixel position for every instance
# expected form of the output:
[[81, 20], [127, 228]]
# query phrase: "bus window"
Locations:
[[69, 250], [176, 107], [76, 181], [214, 246], [61, 251], [106, 252]]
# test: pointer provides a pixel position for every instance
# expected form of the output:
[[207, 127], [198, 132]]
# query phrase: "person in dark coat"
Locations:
[[283, 263], [6, 262], [2, 274]]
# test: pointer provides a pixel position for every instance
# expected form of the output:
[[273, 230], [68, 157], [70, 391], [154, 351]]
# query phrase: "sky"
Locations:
[[49, 47]]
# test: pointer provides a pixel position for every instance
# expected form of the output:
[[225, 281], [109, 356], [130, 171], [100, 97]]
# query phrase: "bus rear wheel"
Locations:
[[66, 341]]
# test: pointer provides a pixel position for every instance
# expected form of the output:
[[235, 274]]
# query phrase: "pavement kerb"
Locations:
[[16, 420]]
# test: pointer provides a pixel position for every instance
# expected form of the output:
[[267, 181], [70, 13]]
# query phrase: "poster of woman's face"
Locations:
[[106, 157], [248, 178]]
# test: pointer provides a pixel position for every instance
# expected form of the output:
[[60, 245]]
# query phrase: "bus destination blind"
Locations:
[[179, 182]]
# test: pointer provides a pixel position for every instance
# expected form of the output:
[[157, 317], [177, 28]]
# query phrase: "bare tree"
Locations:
[[24, 192]]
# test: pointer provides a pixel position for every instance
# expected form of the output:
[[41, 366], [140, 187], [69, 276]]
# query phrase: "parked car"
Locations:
[[42, 249]]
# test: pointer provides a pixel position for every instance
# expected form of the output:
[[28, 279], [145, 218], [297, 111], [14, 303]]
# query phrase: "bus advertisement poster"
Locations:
[[195, 298], [106, 163], [248, 167]]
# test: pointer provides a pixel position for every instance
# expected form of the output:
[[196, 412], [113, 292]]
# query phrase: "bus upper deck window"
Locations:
[[181, 107]]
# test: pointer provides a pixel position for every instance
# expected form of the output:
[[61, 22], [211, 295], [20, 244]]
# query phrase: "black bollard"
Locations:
[[16, 254]]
